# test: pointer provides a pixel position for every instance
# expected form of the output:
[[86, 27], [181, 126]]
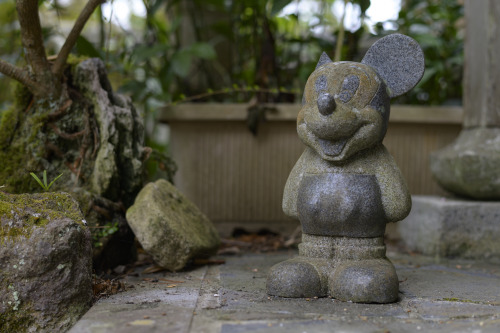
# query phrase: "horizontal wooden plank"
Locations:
[[288, 112], [426, 114]]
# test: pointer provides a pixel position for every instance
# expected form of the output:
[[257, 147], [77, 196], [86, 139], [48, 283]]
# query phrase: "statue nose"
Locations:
[[326, 104]]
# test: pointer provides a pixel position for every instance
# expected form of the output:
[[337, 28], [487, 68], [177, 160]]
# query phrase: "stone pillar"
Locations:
[[470, 166]]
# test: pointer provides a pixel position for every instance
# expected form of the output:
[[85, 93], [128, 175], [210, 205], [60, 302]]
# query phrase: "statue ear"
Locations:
[[399, 60], [324, 59]]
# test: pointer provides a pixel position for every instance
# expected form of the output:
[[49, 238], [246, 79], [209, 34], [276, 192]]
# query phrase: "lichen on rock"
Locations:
[[170, 227], [46, 262]]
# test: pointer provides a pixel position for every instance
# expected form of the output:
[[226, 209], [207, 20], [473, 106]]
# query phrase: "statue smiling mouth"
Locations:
[[332, 148]]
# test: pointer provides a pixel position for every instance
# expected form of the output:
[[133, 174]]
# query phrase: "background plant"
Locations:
[[248, 49], [43, 183], [438, 26]]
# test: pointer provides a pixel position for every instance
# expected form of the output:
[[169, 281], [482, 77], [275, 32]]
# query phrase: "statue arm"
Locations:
[[396, 197], [292, 187]]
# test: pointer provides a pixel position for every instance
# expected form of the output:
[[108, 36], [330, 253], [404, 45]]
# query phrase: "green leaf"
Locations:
[[156, 5], [132, 86], [181, 63], [203, 50], [52, 182], [37, 179], [85, 48], [429, 72], [278, 5], [145, 52], [363, 5], [45, 179]]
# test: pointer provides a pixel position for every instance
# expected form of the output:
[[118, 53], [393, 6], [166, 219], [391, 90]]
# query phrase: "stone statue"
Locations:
[[346, 186]]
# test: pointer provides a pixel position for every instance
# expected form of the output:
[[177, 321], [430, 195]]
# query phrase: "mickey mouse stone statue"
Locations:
[[346, 186]]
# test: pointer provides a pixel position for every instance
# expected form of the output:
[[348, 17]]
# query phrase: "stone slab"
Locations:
[[452, 227], [436, 295]]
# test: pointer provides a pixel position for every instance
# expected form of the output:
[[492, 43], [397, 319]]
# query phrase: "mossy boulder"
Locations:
[[170, 227], [45, 263]]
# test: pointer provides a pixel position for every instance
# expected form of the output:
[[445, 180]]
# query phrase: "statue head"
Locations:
[[346, 105]]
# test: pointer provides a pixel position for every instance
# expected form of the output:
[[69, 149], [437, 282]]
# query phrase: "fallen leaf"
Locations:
[[172, 281], [153, 269]]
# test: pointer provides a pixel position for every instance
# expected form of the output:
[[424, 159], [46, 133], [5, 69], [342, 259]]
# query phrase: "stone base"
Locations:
[[452, 227], [470, 165]]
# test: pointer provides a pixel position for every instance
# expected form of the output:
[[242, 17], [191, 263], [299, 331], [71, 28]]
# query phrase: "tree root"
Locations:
[[59, 113]]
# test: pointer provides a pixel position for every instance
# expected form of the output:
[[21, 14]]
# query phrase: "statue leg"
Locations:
[[363, 274], [307, 274]]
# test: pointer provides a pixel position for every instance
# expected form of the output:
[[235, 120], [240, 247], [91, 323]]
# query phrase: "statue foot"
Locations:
[[296, 277], [365, 281]]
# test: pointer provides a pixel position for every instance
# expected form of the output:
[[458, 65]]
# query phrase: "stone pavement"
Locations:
[[436, 295]]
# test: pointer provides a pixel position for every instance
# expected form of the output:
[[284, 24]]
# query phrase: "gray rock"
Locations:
[[346, 187], [452, 227], [470, 166], [113, 169], [117, 172], [46, 263], [170, 227]]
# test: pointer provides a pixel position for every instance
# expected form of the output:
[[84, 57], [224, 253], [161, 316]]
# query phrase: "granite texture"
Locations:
[[361, 280], [326, 104], [470, 166], [447, 227], [323, 59], [170, 227], [45, 262], [357, 210], [399, 60], [346, 186]]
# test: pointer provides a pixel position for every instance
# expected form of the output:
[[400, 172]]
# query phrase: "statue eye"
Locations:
[[348, 89], [320, 84]]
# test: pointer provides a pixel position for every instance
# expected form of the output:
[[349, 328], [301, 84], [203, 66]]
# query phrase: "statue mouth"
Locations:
[[332, 148]]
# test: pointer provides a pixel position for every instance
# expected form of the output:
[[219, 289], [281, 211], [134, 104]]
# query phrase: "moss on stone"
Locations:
[[46, 218], [74, 60], [454, 299], [8, 122], [16, 320], [22, 95], [20, 146], [19, 214]]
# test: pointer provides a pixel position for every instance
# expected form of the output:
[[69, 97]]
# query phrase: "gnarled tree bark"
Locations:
[[42, 79]]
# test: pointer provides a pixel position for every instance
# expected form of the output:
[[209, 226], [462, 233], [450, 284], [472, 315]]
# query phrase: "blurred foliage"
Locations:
[[439, 28], [238, 51], [235, 51], [103, 232], [185, 48]]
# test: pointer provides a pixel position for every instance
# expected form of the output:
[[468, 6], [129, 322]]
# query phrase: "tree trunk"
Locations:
[[31, 34]]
